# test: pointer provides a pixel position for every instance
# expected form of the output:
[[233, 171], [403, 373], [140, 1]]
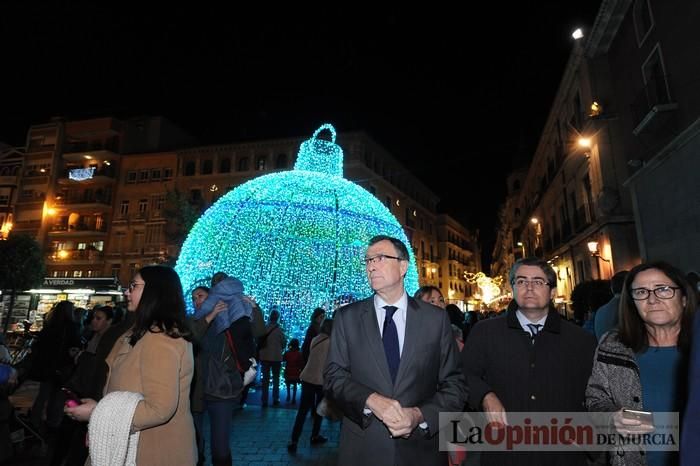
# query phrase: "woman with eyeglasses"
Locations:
[[642, 365], [153, 360]]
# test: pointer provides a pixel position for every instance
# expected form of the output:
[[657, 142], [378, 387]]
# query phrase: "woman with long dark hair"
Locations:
[[53, 362], [153, 359], [312, 331]]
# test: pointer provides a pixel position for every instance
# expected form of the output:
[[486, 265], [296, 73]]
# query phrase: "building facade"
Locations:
[[612, 181], [104, 199]]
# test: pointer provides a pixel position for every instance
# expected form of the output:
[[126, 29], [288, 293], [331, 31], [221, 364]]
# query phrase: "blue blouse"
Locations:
[[659, 371]]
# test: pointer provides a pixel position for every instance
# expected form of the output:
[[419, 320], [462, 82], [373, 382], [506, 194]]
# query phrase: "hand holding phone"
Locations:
[[644, 417], [632, 421], [72, 399]]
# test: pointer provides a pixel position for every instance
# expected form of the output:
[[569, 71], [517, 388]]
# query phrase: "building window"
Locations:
[[167, 173], [119, 241], [260, 163], [138, 241], [124, 209], [643, 20], [225, 165], [143, 176], [115, 271], [157, 204], [155, 174], [581, 272], [77, 273], [655, 85], [207, 167], [243, 164], [143, 206], [154, 233], [281, 161], [576, 112], [189, 168], [195, 195], [131, 177]]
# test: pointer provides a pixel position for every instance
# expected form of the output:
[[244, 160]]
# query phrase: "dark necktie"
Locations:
[[534, 330], [390, 338]]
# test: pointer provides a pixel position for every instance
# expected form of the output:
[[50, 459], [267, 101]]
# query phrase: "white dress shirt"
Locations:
[[399, 316], [524, 321]]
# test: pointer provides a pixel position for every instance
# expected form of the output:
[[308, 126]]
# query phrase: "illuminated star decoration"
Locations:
[[295, 239], [490, 287]]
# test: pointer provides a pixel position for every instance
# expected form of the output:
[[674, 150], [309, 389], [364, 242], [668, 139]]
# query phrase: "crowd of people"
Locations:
[[389, 364]]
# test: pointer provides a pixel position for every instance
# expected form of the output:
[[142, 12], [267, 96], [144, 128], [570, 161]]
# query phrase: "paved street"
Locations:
[[260, 437]]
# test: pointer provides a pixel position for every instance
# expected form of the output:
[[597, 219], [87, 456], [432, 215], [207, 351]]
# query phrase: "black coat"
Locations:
[[549, 375]]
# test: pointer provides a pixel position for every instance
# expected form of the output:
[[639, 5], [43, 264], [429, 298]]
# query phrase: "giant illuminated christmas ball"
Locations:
[[295, 239]]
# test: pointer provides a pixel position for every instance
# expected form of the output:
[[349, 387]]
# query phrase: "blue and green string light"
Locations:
[[295, 239]]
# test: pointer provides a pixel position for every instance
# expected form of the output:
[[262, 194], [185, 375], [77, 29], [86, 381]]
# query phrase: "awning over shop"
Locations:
[[51, 285]]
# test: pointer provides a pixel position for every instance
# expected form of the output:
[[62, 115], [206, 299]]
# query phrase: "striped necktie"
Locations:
[[534, 330]]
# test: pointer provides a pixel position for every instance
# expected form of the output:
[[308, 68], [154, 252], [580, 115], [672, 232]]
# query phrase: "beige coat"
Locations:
[[160, 368], [313, 371]]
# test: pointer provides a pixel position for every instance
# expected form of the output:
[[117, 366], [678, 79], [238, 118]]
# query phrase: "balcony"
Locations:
[[81, 151], [80, 229], [104, 174], [25, 225], [74, 256], [31, 196], [652, 106], [9, 180], [95, 201]]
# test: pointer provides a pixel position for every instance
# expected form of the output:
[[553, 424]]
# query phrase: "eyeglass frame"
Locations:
[[648, 292], [530, 283], [379, 258], [132, 285]]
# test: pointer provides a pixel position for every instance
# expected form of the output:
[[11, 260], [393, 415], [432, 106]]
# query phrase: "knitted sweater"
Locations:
[[111, 440]]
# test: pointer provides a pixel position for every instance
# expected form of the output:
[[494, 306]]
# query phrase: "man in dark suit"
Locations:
[[392, 367], [530, 360]]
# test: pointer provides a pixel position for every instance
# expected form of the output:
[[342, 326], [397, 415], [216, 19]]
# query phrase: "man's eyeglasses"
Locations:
[[662, 292], [536, 283], [379, 259], [133, 285]]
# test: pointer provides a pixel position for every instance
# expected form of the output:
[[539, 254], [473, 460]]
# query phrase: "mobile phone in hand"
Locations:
[[645, 417], [72, 399]]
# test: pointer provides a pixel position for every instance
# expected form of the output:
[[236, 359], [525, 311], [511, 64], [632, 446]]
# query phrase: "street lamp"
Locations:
[[538, 233], [593, 249]]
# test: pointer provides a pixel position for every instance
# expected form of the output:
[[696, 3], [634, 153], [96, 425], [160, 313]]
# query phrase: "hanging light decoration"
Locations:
[[295, 239]]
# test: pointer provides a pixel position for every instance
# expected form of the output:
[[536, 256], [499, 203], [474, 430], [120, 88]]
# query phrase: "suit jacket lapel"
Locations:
[[374, 338], [411, 337]]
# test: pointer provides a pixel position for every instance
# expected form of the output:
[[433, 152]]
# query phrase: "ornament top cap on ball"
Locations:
[[320, 155]]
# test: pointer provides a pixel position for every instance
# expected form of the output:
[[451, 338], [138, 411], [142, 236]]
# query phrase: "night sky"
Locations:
[[442, 90]]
